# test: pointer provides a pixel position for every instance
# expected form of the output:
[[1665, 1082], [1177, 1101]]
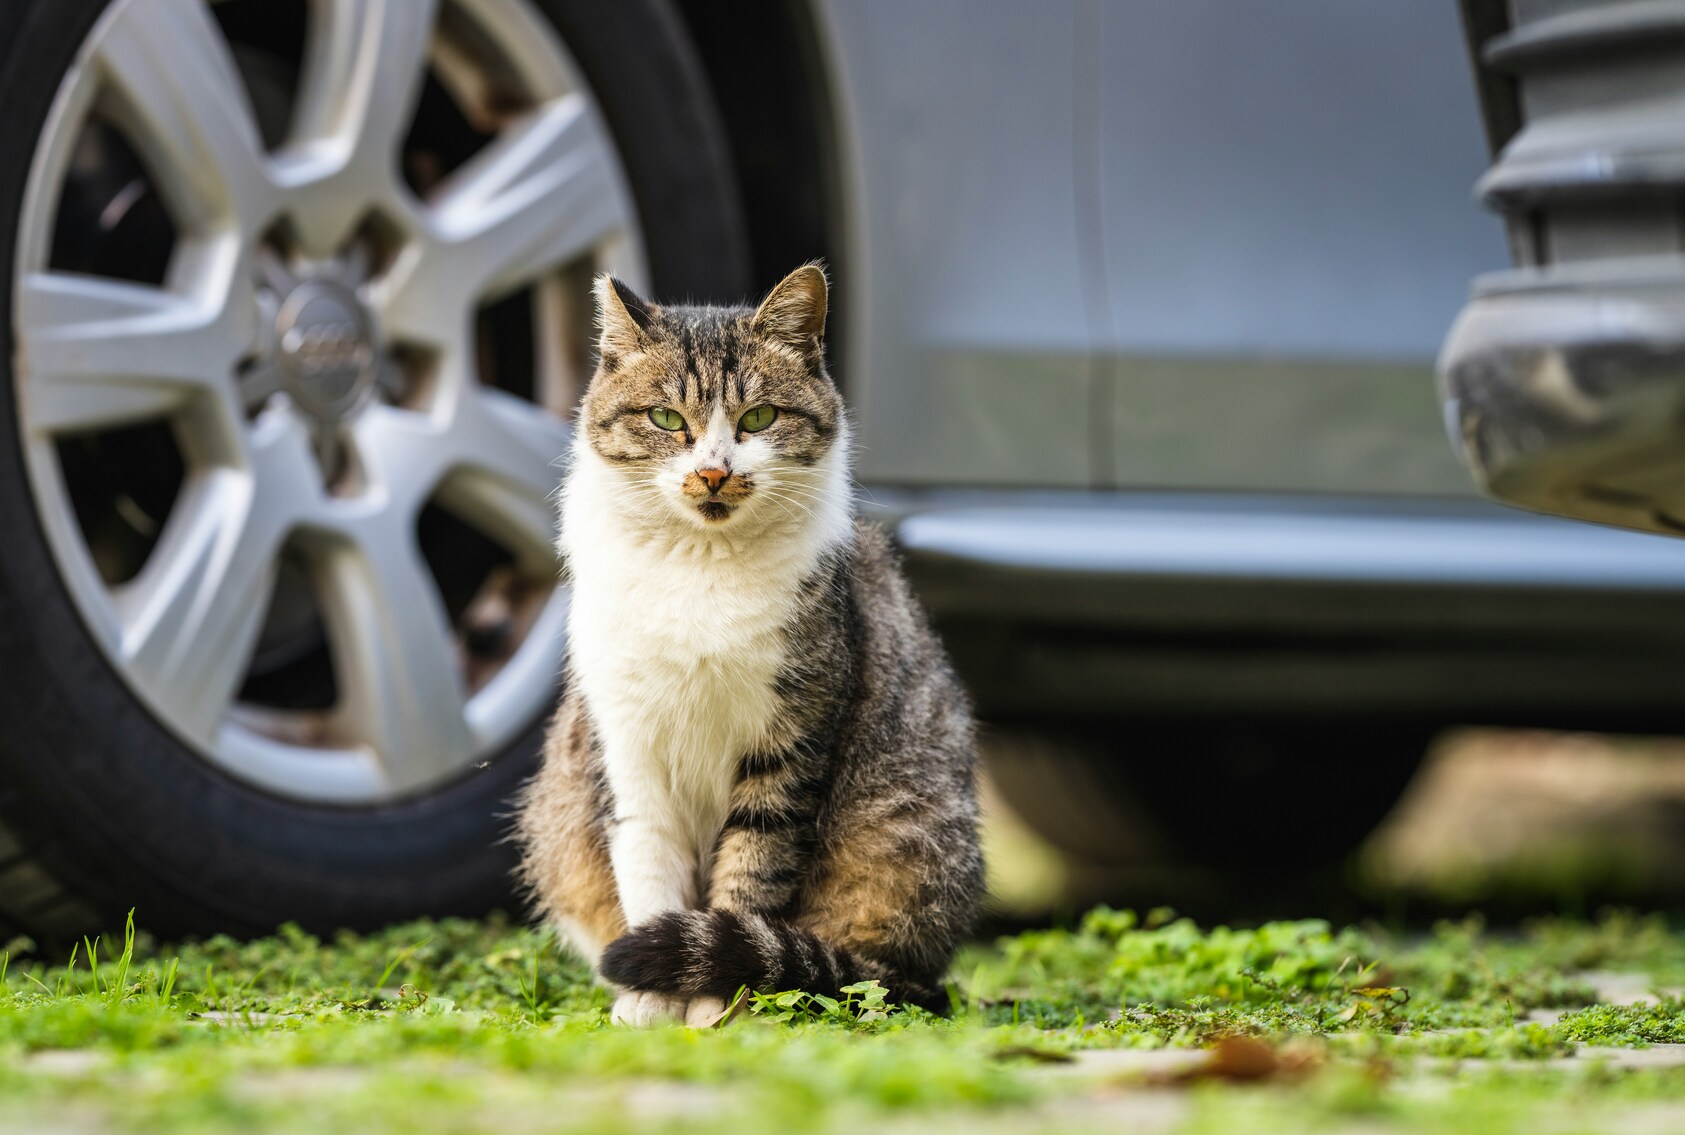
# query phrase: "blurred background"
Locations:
[[1508, 822], [1137, 305]]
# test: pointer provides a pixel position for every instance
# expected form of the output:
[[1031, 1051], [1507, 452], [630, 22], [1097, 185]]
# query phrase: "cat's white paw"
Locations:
[[704, 1012], [641, 1010]]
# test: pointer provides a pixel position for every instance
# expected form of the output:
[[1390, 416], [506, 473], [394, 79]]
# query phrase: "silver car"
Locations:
[[1137, 306]]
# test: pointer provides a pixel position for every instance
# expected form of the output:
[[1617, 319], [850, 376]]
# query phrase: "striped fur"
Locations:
[[719, 952], [763, 764]]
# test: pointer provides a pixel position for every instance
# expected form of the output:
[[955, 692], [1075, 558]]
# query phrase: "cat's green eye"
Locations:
[[667, 419], [757, 418]]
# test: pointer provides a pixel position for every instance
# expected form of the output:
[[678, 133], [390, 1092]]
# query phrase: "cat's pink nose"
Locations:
[[714, 477]]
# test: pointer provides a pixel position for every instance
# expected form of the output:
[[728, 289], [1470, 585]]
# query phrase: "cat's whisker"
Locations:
[[782, 494], [809, 499], [817, 492], [788, 511]]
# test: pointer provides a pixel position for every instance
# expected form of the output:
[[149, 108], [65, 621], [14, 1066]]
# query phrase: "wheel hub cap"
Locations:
[[326, 349]]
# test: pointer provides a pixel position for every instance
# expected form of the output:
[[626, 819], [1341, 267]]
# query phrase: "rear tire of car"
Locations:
[[103, 809]]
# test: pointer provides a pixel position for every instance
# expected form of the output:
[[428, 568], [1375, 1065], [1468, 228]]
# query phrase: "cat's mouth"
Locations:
[[717, 501]]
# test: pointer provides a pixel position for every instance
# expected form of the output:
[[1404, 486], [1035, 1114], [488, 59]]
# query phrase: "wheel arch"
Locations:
[[769, 66]]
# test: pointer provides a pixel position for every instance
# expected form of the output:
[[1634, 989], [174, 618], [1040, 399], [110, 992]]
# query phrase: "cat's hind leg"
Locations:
[[563, 832]]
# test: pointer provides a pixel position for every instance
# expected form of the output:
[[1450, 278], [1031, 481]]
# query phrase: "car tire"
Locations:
[[102, 808]]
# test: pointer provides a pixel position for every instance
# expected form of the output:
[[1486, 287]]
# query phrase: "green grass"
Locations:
[[466, 1027]]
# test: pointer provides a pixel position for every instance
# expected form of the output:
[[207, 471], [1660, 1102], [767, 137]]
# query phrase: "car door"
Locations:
[[1281, 204]]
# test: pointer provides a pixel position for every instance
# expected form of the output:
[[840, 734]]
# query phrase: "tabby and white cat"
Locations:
[[762, 771]]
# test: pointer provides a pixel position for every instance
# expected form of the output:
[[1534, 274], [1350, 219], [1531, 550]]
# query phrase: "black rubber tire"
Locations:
[[101, 809]]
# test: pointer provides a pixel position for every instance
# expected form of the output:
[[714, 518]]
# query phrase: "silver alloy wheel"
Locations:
[[280, 368]]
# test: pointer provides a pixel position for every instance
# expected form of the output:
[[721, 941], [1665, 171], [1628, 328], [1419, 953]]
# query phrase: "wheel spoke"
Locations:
[[507, 454], [180, 97], [362, 72], [363, 69], [495, 463], [404, 453], [98, 353], [395, 658], [526, 686], [543, 194], [191, 619], [540, 196]]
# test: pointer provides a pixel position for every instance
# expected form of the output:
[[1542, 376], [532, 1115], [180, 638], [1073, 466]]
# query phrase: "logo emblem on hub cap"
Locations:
[[327, 356]]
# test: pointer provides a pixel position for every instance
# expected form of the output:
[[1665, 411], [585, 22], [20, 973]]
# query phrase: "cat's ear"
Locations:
[[623, 317], [794, 312]]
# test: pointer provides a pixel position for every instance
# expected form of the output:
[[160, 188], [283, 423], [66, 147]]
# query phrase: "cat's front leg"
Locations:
[[760, 857], [650, 842], [655, 871], [654, 867]]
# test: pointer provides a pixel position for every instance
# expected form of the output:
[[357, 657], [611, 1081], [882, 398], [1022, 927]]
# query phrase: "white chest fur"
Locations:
[[676, 643]]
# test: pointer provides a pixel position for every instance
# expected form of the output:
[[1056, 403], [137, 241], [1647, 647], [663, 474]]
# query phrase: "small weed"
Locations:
[[164, 996], [397, 960], [529, 990], [862, 1003]]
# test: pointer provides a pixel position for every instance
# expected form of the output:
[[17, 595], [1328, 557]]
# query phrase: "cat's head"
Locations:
[[717, 415]]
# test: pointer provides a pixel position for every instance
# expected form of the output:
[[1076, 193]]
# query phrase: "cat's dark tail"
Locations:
[[714, 953]]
